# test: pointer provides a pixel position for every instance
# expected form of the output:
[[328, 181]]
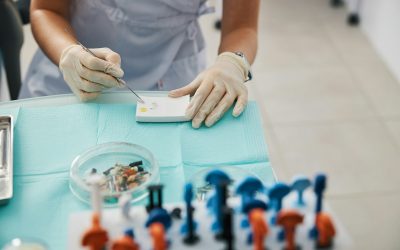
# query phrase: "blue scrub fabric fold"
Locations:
[[47, 139]]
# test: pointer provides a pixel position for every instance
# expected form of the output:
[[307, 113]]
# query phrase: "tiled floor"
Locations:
[[329, 104]]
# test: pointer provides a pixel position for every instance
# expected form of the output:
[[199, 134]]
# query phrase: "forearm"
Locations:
[[239, 27], [48, 28], [243, 40]]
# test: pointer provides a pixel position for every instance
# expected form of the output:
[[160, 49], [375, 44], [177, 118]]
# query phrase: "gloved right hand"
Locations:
[[87, 75]]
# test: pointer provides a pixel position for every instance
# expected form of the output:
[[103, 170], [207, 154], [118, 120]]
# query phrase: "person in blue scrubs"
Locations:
[[152, 44]]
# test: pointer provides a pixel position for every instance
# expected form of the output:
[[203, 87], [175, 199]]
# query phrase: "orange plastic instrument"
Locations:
[[259, 228], [326, 230], [125, 243], [95, 237], [289, 219], [157, 232]]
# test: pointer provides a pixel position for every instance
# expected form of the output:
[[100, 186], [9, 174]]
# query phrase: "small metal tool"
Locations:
[[116, 78]]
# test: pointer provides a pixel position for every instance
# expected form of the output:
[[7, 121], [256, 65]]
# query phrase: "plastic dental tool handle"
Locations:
[[94, 181], [300, 184], [319, 188]]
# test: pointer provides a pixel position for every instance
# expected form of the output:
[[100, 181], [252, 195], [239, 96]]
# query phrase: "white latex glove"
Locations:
[[216, 90], [87, 75]]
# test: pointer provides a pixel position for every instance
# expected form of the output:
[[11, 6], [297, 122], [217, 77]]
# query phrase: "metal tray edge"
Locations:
[[4, 200]]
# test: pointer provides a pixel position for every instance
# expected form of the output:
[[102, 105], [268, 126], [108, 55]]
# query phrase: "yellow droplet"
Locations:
[[143, 109]]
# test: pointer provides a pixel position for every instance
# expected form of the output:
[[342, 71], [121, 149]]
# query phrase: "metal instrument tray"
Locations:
[[6, 159]]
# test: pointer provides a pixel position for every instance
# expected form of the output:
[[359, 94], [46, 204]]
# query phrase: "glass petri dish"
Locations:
[[25, 244], [202, 188], [124, 168]]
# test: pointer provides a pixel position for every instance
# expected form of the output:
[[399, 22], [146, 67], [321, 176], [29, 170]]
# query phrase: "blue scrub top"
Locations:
[[160, 43]]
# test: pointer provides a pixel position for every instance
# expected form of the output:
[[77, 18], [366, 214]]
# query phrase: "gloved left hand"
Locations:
[[216, 90]]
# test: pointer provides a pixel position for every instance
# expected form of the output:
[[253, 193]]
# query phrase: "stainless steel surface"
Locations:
[[6, 160], [3, 153], [4, 141]]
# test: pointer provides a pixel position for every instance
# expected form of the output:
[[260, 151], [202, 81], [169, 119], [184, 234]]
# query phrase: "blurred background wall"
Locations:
[[380, 20]]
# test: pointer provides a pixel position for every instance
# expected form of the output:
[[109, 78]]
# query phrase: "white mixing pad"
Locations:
[[162, 109]]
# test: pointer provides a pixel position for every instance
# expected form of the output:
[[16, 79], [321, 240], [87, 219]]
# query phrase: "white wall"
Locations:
[[380, 20]]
